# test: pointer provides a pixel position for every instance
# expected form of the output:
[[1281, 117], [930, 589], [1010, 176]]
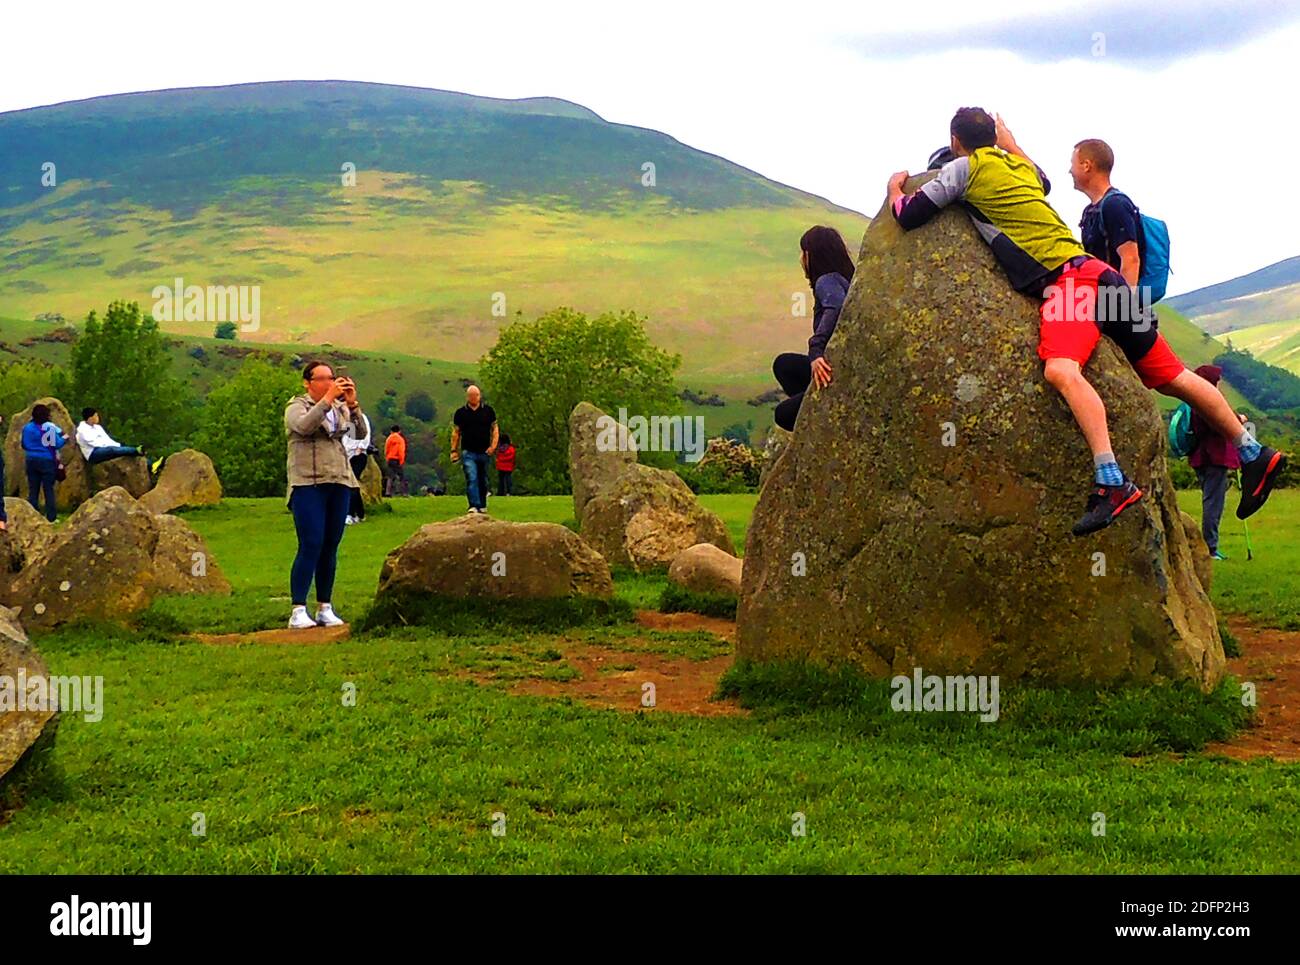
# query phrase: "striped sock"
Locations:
[[1247, 446], [1107, 470]]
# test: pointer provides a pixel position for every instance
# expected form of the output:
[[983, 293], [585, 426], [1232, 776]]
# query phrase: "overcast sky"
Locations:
[[1196, 98]]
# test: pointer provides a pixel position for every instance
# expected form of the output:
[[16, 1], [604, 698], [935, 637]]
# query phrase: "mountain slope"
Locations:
[[1266, 295], [464, 211]]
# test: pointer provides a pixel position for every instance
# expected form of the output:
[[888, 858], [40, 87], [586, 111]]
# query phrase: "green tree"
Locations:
[[420, 405], [386, 407], [121, 366], [242, 428], [538, 371], [226, 330], [22, 383]]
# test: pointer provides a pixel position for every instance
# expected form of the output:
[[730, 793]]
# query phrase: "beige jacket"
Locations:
[[316, 453]]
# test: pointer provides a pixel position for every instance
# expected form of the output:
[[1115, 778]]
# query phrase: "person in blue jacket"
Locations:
[[829, 269], [42, 440]]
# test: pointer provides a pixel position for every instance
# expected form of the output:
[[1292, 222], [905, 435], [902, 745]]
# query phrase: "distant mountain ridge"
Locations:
[[1270, 294], [463, 211]]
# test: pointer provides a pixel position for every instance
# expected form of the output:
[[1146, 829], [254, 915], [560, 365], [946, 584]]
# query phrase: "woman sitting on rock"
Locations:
[[828, 267]]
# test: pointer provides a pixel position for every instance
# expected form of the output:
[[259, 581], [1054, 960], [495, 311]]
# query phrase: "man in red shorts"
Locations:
[[1005, 194]]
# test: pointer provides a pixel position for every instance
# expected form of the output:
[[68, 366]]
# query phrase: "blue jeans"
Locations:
[[319, 514], [105, 453], [475, 465], [40, 478]]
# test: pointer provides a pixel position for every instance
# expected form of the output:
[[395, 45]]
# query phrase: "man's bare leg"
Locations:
[[1066, 376], [1207, 400]]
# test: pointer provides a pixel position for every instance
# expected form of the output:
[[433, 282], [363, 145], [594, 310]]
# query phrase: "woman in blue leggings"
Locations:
[[320, 486]]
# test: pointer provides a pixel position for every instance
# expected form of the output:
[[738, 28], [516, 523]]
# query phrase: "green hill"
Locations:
[[465, 210], [1277, 343]]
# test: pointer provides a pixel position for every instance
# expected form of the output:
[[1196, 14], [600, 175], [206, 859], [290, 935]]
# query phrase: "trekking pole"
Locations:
[[1249, 554]]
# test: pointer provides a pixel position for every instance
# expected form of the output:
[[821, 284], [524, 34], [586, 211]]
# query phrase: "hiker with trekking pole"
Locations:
[[1212, 456]]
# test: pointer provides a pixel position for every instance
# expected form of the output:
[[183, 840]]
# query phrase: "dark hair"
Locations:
[[40, 413], [1098, 152], [974, 128], [312, 366], [826, 253], [87, 412], [395, 428], [505, 439]]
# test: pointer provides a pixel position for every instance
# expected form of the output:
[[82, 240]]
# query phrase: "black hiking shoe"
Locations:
[[1105, 503], [1257, 479]]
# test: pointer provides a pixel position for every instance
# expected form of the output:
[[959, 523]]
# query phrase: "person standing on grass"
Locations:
[[42, 440], [395, 456], [95, 442], [1213, 458], [321, 483], [356, 443], [473, 440], [505, 466]]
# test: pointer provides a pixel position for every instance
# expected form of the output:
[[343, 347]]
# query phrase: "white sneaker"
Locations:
[[326, 616], [349, 520], [299, 620]]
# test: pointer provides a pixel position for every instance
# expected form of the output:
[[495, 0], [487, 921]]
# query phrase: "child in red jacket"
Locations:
[[505, 465]]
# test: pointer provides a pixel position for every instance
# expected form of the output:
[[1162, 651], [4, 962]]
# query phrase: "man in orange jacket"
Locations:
[[395, 456]]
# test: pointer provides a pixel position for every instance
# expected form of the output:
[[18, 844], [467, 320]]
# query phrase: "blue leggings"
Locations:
[[319, 513]]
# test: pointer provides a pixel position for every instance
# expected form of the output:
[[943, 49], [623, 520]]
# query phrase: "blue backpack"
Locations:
[[1154, 276]]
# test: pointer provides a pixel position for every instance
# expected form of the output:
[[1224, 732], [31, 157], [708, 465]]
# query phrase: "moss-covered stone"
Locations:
[[928, 493]]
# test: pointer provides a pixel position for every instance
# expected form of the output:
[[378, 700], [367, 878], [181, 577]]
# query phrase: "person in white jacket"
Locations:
[[95, 442], [356, 443]]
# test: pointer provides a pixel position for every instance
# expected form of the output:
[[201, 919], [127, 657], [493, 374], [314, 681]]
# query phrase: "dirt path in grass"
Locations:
[[1271, 661], [617, 678], [281, 636]]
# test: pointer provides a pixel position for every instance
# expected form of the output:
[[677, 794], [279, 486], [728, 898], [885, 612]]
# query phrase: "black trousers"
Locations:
[[794, 372], [504, 487], [357, 505]]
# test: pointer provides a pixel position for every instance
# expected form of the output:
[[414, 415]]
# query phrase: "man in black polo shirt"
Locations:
[[473, 441]]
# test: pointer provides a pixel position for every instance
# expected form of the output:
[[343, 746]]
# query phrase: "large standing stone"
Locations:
[[1201, 560], [633, 515], [187, 479], [71, 492], [457, 559], [703, 568], [593, 466], [19, 730], [921, 514], [372, 483]]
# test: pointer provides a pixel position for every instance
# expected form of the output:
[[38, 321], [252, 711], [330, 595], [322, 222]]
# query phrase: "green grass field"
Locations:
[[288, 779]]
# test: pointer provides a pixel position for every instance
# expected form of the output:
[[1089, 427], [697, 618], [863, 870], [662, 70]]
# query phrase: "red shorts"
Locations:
[[1070, 329]]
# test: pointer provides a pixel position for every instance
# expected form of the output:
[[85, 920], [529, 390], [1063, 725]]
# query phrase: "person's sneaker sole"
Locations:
[[1137, 496], [1276, 463]]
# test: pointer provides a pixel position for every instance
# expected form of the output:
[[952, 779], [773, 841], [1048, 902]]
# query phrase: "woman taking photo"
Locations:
[[829, 269], [321, 482]]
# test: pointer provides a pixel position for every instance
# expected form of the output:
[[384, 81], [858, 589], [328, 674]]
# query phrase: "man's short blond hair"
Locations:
[[1098, 152]]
